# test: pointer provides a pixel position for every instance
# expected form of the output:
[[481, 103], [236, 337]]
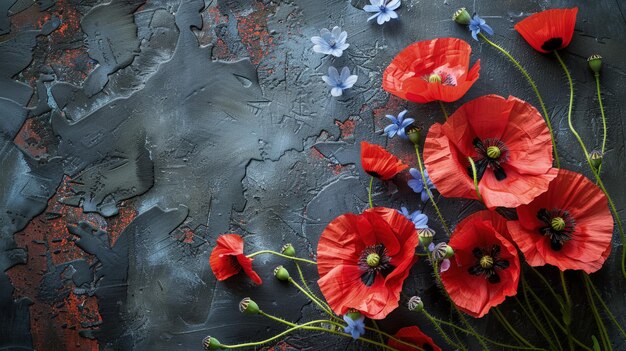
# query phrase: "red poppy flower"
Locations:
[[548, 30], [363, 260], [509, 142], [569, 226], [485, 268], [414, 336], [431, 70], [227, 259], [379, 163]]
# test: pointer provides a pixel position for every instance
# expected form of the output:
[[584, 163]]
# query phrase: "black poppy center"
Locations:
[[373, 260], [492, 153], [552, 44], [488, 263], [373, 174], [559, 226]]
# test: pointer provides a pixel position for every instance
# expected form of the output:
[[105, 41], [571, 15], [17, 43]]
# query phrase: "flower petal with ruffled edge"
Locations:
[[548, 30], [407, 75], [340, 255], [590, 240], [472, 293], [520, 132], [227, 259], [415, 336], [379, 163]]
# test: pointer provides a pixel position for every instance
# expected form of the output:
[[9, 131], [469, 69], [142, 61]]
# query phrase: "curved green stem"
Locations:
[[369, 192], [510, 328], [534, 87], [280, 255], [567, 312], [312, 297], [597, 76], [475, 176], [443, 109], [430, 194], [604, 335], [327, 308], [536, 322], [535, 319], [593, 170], [548, 285], [443, 334], [606, 308]]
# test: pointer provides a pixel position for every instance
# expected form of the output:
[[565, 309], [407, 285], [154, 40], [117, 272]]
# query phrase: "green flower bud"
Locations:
[[461, 16], [414, 133], [426, 236], [281, 273], [354, 314], [248, 306], [595, 63], [415, 304], [288, 250], [596, 159], [211, 343], [440, 251], [449, 251]]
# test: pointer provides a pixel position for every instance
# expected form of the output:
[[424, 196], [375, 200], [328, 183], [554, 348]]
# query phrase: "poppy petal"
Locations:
[[548, 30]]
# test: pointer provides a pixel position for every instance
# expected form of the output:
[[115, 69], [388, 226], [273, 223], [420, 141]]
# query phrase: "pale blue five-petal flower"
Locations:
[[356, 327], [339, 82], [331, 42], [477, 24], [383, 10], [398, 125], [418, 185], [419, 219]]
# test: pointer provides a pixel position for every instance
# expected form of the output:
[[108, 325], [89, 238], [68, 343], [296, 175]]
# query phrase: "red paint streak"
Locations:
[[49, 243], [30, 141], [254, 33], [346, 127], [315, 153], [281, 346], [187, 236]]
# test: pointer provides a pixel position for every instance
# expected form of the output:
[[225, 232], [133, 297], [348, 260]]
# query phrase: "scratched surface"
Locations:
[[134, 132]]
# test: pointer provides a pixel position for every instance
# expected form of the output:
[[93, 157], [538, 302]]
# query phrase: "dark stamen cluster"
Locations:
[[552, 44], [487, 158], [558, 234], [488, 263], [383, 267]]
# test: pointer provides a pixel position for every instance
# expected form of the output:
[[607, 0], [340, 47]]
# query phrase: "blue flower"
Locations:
[[384, 11], [338, 83], [418, 185], [356, 327], [477, 24], [419, 219], [398, 126], [330, 43]]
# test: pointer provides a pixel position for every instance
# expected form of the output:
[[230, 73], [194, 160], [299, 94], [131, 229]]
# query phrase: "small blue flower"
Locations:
[[418, 185], [339, 83], [419, 219], [356, 327], [384, 11], [398, 126], [477, 24], [330, 43]]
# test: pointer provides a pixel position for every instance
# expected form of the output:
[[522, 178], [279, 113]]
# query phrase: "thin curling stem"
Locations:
[[369, 192], [568, 310], [593, 170], [430, 194], [443, 109], [475, 177], [306, 286], [597, 76], [281, 255], [510, 328], [606, 308], [442, 332], [604, 335], [311, 297], [534, 87]]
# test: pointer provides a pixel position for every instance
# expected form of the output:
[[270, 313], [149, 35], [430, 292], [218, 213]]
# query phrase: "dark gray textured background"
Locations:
[[174, 123]]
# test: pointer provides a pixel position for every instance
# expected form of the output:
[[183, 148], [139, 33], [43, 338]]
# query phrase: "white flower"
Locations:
[[337, 82], [331, 43], [383, 11]]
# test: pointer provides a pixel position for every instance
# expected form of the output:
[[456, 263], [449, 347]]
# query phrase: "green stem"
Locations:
[[321, 303], [593, 170], [277, 319], [380, 337], [311, 297], [280, 255], [568, 311], [443, 334], [597, 76], [534, 87], [430, 194], [604, 305], [535, 321], [510, 328], [604, 336], [548, 285], [369, 192], [443, 109], [475, 177]]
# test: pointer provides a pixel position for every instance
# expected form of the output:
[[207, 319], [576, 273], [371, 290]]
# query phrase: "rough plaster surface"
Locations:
[[134, 132]]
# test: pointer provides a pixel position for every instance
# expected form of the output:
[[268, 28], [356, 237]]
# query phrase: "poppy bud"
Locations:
[[426, 236], [354, 314], [211, 343], [415, 304], [596, 159], [595, 63], [439, 252], [414, 133], [449, 252], [248, 306], [281, 273], [461, 16], [288, 250]]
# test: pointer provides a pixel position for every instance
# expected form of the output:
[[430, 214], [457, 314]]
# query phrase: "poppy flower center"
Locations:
[[374, 260], [488, 263], [492, 153], [559, 226], [434, 78], [552, 44]]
